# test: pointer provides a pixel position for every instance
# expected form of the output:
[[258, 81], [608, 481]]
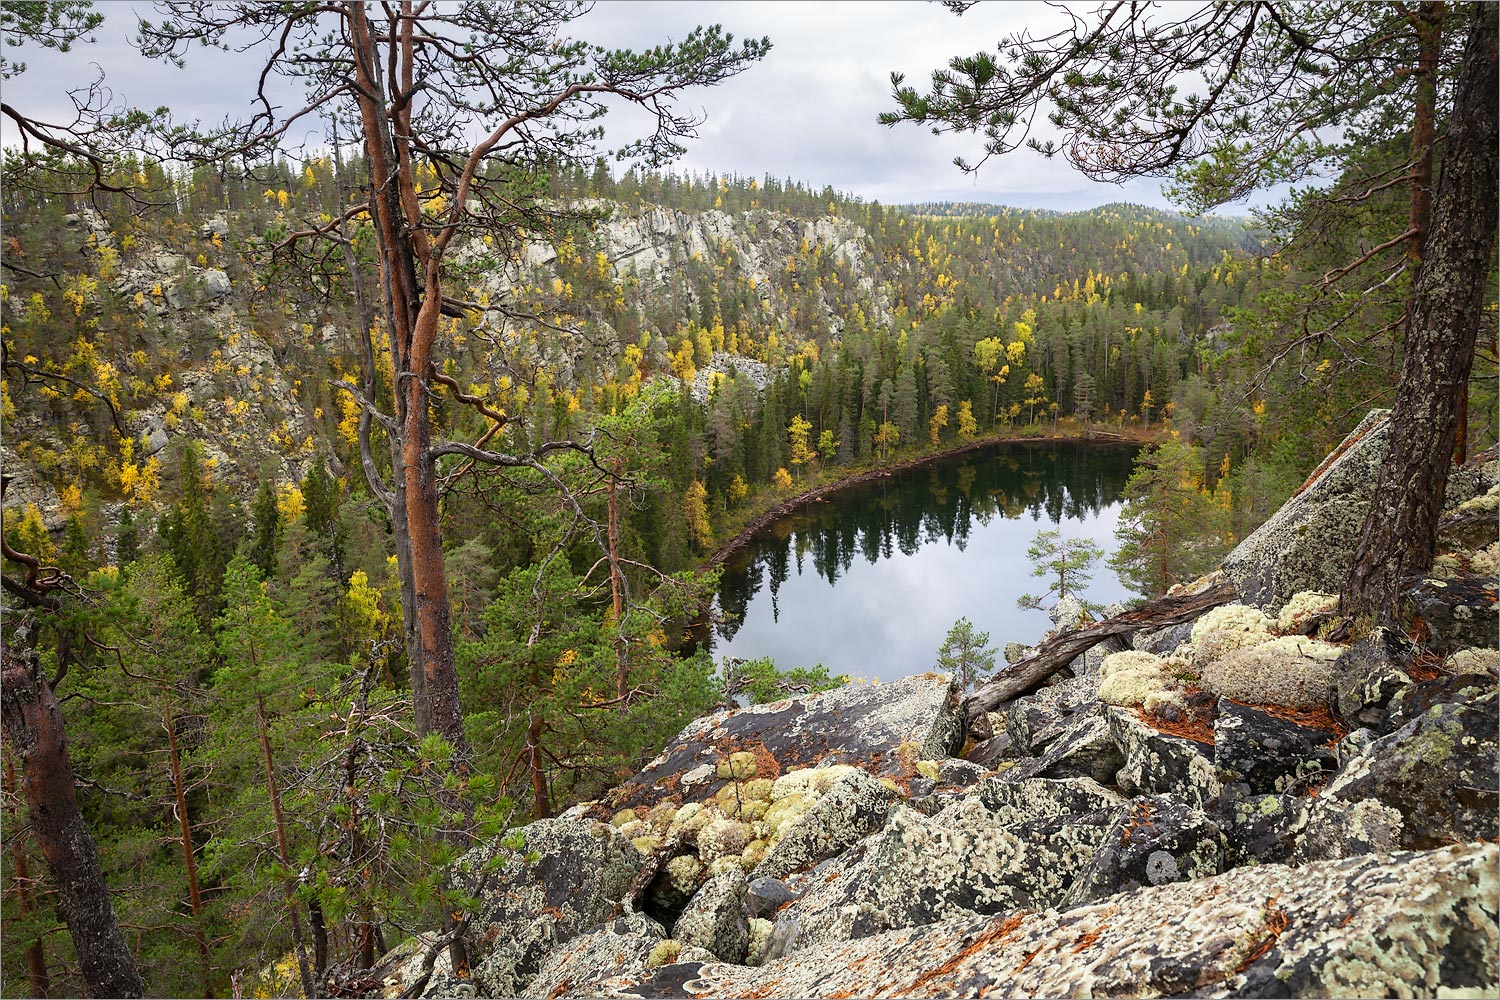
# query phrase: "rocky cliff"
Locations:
[[1245, 805]]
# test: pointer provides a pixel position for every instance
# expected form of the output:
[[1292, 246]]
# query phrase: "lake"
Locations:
[[869, 583]]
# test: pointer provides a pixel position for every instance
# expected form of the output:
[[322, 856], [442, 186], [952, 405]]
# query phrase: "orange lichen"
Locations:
[[1191, 728], [993, 934], [1317, 717], [1086, 940], [1276, 922]]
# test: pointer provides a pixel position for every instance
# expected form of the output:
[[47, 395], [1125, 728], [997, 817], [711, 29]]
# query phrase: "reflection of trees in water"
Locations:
[[906, 511]]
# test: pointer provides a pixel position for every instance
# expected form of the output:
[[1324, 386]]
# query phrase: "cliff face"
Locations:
[[215, 362], [1240, 806]]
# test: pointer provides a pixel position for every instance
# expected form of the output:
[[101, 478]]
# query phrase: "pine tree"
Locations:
[[966, 653]]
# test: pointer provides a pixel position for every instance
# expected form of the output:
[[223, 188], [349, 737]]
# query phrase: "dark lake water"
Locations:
[[869, 583]]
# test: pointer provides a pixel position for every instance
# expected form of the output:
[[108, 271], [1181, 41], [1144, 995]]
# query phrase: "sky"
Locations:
[[807, 111]]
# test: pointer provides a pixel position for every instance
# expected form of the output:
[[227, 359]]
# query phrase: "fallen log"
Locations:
[[1026, 675]]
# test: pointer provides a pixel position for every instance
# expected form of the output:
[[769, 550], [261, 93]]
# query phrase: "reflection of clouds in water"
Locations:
[[887, 618]]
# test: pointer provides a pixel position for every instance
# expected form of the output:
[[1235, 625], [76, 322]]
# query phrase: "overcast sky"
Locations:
[[808, 111]]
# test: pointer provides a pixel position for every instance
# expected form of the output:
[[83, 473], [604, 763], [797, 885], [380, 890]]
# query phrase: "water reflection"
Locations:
[[870, 582]]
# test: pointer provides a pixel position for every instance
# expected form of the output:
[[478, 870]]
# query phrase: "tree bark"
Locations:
[[1051, 656], [189, 862], [36, 959], [283, 852], [617, 590], [1399, 537], [34, 724]]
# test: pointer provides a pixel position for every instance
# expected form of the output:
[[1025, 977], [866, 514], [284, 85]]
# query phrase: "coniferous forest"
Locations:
[[360, 497]]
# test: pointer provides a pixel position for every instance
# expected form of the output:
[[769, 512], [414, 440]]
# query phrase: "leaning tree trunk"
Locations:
[[34, 724], [1399, 538]]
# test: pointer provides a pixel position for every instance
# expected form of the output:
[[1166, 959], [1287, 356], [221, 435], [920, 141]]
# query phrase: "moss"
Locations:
[[661, 817], [1134, 677], [646, 844], [1227, 628], [758, 789], [665, 953], [784, 812], [929, 769], [1485, 561], [622, 817], [824, 778]]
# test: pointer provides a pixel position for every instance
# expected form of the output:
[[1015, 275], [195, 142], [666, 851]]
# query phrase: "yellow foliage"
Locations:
[[290, 503], [782, 480]]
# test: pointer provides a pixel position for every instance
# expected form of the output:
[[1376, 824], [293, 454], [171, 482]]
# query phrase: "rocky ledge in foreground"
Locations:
[[1241, 805]]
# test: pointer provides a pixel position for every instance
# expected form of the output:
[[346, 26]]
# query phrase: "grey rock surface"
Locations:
[[1306, 544], [855, 806], [569, 877], [716, 919], [1441, 772], [1408, 924]]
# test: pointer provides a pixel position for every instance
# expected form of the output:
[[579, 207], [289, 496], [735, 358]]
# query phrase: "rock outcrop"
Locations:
[[1234, 807]]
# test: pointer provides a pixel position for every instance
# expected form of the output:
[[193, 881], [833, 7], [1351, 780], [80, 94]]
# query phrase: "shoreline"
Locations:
[[820, 494]]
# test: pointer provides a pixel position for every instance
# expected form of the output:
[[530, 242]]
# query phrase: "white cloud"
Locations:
[[808, 111]]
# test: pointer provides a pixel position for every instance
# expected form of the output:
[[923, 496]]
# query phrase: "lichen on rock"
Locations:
[[1291, 670]]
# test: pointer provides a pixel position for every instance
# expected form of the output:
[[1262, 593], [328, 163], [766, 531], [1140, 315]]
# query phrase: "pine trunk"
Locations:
[[283, 852], [189, 862], [1399, 538], [36, 959], [34, 724]]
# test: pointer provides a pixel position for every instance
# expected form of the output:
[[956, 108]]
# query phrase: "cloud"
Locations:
[[807, 111]]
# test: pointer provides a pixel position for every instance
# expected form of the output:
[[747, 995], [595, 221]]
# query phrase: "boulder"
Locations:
[[1439, 771], [1164, 641], [1408, 924], [621, 948], [1015, 802], [957, 773], [216, 283], [991, 751], [1084, 749], [569, 876], [1039, 718], [1306, 544], [1459, 611], [764, 896], [1335, 828], [1263, 829], [1417, 700], [1368, 675], [716, 918], [1158, 763], [1153, 840], [926, 869], [865, 725], [854, 807], [1267, 754]]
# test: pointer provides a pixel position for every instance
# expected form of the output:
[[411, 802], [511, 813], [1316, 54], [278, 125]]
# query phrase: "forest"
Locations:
[[360, 498]]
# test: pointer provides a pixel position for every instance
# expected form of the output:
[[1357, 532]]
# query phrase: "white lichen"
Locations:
[[1291, 670], [1474, 661], [1228, 628], [1132, 677], [722, 838], [1304, 606]]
